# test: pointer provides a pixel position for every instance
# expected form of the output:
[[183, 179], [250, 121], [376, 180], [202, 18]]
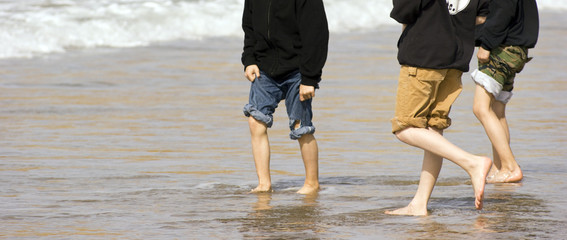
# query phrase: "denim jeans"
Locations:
[[265, 95]]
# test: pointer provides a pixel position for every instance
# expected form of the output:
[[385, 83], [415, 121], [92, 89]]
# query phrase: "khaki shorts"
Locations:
[[425, 97]]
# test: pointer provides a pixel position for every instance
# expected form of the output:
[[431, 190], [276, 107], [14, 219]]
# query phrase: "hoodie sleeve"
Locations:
[[406, 11], [483, 8], [481, 11], [495, 28], [314, 33], [248, 57]]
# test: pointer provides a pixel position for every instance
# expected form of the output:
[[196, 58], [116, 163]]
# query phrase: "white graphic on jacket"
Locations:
[[455, 6]]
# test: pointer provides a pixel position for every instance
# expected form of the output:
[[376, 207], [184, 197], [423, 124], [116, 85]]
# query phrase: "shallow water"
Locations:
[[150, 143]]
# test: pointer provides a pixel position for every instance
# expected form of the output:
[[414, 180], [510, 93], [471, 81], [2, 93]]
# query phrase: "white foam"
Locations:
[[31, 27], [34, 27], [559, 5]]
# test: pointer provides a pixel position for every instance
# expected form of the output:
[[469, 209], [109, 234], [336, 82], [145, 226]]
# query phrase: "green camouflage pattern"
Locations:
[[504, 63]]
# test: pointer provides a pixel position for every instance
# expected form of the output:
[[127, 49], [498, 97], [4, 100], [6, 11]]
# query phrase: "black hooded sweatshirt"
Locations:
[[439, 33], [510, 23], [284, 36]]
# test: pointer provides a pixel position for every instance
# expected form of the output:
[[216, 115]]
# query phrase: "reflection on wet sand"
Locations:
[[263, 202], [267, 221], [513, 212]]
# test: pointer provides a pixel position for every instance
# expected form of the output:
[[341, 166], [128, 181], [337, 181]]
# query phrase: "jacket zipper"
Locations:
[[269, 16], [273, 70]]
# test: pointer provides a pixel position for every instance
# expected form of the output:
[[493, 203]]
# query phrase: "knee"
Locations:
[[306, 138], [480, 110], [401, 135], [256, 127]]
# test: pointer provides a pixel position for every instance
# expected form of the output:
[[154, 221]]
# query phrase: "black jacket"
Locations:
[[283, 36], [510, 23], [435, 37]]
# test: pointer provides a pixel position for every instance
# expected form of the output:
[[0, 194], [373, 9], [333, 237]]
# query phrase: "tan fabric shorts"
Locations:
[[425, 97]]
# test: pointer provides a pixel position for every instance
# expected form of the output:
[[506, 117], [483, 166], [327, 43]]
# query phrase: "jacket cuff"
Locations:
[[310, 81], [247, 61], [485, 46]]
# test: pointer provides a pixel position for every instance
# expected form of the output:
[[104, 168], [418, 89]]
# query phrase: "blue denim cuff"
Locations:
[[250, 110], [297, 133]]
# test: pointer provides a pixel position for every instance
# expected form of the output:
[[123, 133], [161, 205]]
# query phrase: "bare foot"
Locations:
[[504, 176], [479, 181], [308, 189], [262, 189], [408, 211], [491, 174], [515, 176]]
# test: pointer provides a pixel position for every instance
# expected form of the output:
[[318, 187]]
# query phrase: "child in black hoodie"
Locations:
[[511, 28], [435, 48], [285, 49]]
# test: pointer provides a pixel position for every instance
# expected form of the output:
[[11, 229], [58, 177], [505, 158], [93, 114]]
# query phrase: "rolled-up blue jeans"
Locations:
[[265, 95]]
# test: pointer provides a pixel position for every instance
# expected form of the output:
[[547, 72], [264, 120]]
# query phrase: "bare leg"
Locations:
[[429, 172], [432, 141], [491, 114], [515, 173], [310, 155], [261, 152]]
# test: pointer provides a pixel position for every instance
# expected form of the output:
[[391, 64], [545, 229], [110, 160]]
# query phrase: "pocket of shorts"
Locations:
[[424, 74]]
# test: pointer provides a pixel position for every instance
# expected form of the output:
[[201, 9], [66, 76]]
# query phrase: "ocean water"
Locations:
[[147, 140], [34, 27]]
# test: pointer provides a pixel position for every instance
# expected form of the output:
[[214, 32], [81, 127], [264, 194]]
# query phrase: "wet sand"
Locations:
[[150, 143]]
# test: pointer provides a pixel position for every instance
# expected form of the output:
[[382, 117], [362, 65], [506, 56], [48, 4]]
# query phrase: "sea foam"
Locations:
[[35, 27]]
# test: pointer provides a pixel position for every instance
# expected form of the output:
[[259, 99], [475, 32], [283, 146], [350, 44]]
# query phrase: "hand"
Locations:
[[480, 20], [306, 92], [252, 72], [483, 55]]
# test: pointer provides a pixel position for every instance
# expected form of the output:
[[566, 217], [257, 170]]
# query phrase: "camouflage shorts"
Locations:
[[497, 75]]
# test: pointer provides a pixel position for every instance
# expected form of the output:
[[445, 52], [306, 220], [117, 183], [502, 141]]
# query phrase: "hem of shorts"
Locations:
[[491, 86], [298, 133], [251, 111], [438, 123], [487, 82], [398, 125], [504, 97]]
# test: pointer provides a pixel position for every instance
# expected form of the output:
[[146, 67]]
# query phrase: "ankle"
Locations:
[[311, 184], [264, 186]]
